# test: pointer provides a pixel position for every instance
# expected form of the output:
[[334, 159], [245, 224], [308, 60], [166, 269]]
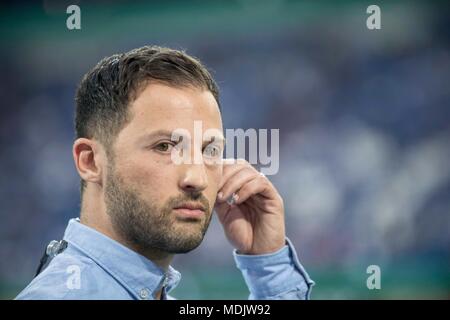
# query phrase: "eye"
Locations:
[[212, 151], [164, 147]]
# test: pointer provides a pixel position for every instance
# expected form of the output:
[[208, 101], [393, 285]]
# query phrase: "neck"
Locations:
[[158, 257], [93, 214]]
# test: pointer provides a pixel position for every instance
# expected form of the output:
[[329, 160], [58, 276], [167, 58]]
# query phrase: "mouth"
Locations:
[[190, 210]]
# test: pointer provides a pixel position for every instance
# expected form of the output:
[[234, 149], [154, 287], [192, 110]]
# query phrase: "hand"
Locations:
[[254, 223]]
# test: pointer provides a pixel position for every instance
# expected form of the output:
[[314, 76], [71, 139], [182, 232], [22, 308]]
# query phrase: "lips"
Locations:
[[191, 206], [190, 210]]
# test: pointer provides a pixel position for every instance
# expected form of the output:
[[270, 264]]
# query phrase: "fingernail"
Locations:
[[232, 199], [220, 195]]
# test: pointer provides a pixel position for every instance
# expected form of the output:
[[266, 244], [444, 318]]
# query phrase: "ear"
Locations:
[[89, 159]]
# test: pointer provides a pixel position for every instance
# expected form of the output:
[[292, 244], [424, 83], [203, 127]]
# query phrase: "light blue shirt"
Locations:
[[93, 266]]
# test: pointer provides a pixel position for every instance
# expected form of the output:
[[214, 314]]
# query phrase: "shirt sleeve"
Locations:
[[277, 275]]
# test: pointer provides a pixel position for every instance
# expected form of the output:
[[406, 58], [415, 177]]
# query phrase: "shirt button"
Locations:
[[144, 293]]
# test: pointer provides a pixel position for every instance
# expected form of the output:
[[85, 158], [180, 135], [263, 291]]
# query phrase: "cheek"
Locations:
[[145, 174], [214, 179]]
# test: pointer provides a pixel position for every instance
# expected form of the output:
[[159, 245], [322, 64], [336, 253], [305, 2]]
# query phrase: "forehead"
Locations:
[[160, 106]]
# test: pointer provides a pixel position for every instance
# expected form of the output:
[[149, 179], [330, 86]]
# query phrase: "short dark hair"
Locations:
[[105, 92]]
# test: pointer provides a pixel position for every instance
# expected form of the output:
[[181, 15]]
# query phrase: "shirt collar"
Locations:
[[137, 273]]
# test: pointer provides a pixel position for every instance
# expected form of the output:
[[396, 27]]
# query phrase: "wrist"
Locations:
[[266, 249]]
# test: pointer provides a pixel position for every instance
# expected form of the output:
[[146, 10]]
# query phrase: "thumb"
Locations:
[[222, 210]]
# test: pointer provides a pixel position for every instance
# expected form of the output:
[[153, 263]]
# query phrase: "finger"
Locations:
[[235, 182], [221, 210], [230, 167], [260, 185]]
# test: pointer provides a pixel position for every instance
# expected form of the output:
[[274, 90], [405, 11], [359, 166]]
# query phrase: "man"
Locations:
[[139, 207]]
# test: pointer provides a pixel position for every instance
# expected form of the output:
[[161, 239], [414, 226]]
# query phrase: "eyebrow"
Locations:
[[155, 134]]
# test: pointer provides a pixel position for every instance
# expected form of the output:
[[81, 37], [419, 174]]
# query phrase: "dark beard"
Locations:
[[148, 227]]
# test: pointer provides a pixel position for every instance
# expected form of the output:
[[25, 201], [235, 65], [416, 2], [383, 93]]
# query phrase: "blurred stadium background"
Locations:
[[364, 119]]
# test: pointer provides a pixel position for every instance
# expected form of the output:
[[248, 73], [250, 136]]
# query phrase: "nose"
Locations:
[[194, 178]]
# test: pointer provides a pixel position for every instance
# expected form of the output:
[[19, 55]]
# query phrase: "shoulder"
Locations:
[[73, 276]]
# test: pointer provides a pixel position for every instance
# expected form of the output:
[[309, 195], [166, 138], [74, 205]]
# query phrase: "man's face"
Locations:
[[153, 202]]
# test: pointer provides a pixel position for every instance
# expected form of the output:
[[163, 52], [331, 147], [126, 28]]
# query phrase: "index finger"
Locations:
[[230, 167]]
